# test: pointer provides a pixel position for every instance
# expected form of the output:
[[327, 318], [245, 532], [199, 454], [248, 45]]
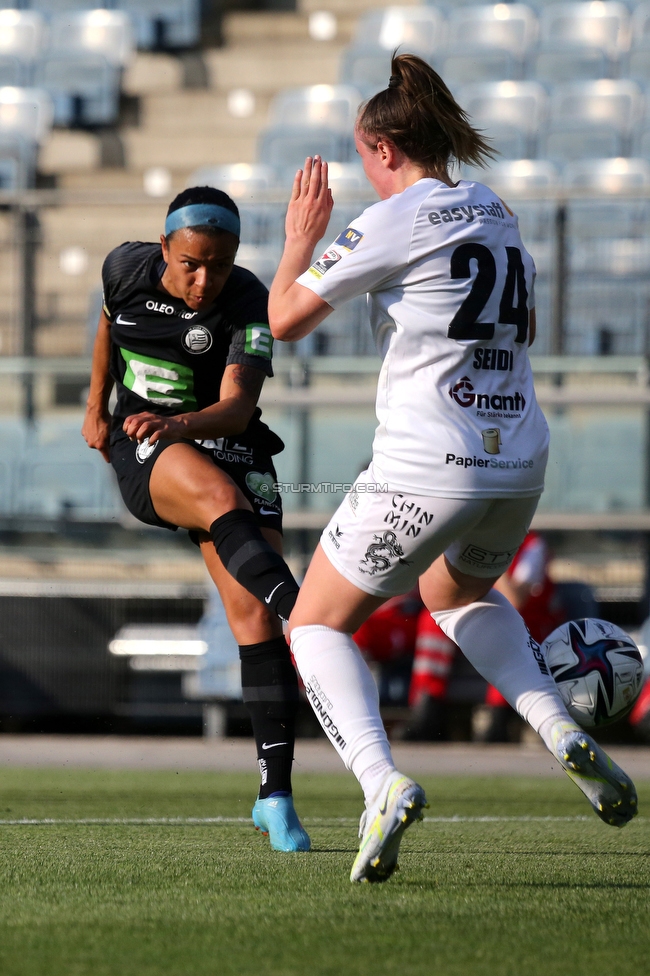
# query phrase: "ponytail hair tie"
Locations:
[[394, 81]]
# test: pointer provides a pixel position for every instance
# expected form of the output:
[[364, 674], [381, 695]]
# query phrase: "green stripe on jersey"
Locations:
[[170, 384], [259, 341]]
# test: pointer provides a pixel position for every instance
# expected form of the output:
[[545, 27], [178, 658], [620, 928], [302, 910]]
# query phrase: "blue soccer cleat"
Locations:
[[276, 818]]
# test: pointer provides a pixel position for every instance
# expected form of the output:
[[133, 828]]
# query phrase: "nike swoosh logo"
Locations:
[[121, 321], [267, 599], [271, 745], [267, 511]]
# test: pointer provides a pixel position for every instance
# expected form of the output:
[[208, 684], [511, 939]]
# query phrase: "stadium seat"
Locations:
[[81, 69], [285, 146], [465, 64], [323, 106], [609, 230], [593, 119], [608, 176], [25, 120], [84, 88], [506, 27], [305, 121], [164, 23], [366, 63], [559, 62], [22, 37], [510, 112], [104, 32], [605, 309], [516, 176], [419, 30], [641, 25], [242, 181], [605, 25], [366, 67], [637, 64]]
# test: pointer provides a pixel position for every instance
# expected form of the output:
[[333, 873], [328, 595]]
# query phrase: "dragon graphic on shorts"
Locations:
[[380, 553]]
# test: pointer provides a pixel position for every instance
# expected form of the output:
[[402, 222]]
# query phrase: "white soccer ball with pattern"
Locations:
[[598, 670]]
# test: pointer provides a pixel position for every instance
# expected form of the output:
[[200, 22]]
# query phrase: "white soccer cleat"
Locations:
[[398, 804], [610, 791]]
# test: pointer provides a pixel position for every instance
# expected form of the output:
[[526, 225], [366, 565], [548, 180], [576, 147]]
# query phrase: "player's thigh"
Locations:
[[327, 598], [189, 490], [487, 548], [476, 559], [248, 618]]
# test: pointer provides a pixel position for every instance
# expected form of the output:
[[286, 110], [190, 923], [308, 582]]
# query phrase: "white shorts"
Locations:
[[382, 542]]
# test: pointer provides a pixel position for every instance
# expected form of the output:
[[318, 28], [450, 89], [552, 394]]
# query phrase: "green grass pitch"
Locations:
[[507, 896]]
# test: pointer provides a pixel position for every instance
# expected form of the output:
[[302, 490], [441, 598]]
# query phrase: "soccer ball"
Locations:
[[597, 668]]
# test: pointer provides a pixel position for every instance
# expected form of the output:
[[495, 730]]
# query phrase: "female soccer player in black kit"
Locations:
[[184, 337]]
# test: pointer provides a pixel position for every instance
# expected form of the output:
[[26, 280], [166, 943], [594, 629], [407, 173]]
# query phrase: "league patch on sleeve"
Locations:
[[324, 263], [349, 238], [259, 341]]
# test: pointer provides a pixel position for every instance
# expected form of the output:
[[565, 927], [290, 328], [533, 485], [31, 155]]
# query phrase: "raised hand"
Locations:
[[311, 203]]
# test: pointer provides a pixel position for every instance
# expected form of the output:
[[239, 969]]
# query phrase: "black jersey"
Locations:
[[170, 359]]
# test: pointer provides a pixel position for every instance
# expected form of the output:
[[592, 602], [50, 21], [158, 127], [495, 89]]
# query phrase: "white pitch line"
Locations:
[[199, 821]]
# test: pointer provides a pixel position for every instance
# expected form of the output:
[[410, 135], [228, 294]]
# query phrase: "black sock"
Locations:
[[255, 564], [270, 692]]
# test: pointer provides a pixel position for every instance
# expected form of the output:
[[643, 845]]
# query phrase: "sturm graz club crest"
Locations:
[[380, 554], [198, 339], [144, 450]]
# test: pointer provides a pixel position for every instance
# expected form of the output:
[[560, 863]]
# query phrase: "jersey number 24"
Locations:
[[464, 324]]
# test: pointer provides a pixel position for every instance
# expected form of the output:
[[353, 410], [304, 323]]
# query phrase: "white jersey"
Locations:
[[450, 286]]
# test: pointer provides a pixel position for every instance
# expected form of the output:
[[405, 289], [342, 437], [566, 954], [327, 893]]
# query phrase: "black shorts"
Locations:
[[251, 469]]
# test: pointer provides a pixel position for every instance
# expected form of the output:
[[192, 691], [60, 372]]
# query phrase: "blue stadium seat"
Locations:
[[637, 63], [641, 25], [84, 88], [322, 106], [593, 119], [419, 30], [602, 309], [366, 63], [242, 181], [305, 121], [25, 120], [22, 38], [284, 146], [102, 32], [367, 67], [609, 212], [172, 24], [506, 27], [510, 112], [558, 62], [465, 64], [605, 25], [81, 68]]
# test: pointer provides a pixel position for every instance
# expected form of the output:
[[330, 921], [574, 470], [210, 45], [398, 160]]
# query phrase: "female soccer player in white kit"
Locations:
[[460, 450]]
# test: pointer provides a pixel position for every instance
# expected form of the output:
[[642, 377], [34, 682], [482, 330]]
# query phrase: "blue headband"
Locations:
[[203, 215]]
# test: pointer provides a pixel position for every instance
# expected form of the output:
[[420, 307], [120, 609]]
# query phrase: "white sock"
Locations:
[[344, 696], [493, 637]]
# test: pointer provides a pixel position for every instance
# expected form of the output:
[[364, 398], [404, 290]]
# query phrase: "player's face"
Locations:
[[198, 265]]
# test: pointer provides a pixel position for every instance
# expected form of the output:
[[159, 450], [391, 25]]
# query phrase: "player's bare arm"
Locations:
[[240, 390], [96, 425], [295, 311]]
